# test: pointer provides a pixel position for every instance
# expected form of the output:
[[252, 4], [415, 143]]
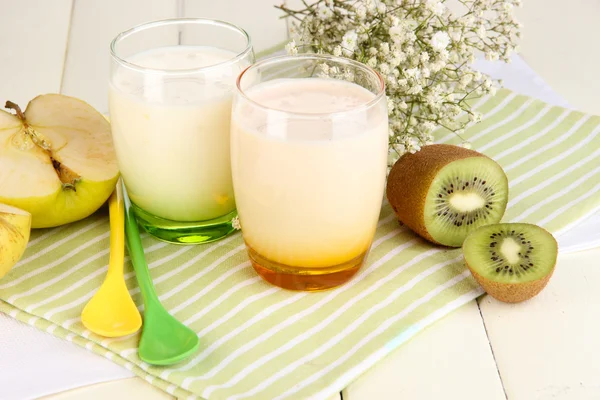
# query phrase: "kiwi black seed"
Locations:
[[443, 192], [512, 270]]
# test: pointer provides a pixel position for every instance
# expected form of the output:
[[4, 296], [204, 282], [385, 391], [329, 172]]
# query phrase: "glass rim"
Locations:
[[342, 60], [177, 21]]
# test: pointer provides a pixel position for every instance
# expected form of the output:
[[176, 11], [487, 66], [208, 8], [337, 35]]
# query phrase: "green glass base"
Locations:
[[185, 232]]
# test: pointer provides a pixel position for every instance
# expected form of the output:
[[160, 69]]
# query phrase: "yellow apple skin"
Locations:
[[65, 205], [15, 227]]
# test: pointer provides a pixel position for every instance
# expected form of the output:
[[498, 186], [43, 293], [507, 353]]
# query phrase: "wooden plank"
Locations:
[[547, 347], [451, 359], [131, 388], [258, 17], [33, 38], [560, 44], [94, 25]]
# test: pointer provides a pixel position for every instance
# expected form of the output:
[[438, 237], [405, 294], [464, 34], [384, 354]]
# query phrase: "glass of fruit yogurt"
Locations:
[[170, 92], [309, 140]]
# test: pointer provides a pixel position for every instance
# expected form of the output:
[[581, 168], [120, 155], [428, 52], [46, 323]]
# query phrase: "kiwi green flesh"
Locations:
[[511, 252], [464, 195]]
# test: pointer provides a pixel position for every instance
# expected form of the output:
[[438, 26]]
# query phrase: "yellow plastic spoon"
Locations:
[[112, 312]]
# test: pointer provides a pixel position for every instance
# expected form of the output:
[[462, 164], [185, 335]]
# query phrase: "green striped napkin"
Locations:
[[261, 342]]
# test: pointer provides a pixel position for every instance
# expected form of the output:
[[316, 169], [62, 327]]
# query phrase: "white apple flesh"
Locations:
[[57, 159], [15, 227]]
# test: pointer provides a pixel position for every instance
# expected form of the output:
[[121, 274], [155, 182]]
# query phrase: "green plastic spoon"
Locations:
[[164, 340]]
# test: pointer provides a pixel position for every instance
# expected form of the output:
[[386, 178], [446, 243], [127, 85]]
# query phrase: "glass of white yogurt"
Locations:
[[309, 140], [170, 93]]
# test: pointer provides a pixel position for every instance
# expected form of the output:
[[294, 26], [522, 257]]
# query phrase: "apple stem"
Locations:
[[14, 106]]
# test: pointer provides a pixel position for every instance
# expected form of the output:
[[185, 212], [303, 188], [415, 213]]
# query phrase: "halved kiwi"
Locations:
[[512, 262], [443, 192]]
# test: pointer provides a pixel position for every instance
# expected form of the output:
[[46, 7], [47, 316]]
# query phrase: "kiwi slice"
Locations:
[[512, 261], [444, 192]]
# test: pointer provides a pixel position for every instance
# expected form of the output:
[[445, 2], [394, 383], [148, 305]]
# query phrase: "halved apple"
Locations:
[[15, 227], [57, 159]]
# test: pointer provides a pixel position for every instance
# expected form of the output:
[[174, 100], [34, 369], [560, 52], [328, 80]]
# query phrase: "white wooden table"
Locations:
[[547, 348]]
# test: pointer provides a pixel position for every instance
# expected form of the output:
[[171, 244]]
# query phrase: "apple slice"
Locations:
[[15, 227], [57, 159]]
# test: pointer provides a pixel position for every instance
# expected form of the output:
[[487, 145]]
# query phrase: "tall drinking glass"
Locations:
[[309, 139], [170, 93]]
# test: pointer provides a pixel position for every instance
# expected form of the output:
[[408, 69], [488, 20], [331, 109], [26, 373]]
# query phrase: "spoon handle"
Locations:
[[117, 232], [136, 253]]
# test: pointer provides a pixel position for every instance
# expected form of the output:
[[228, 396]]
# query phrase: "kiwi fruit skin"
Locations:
[[511, 292], [411, 177]]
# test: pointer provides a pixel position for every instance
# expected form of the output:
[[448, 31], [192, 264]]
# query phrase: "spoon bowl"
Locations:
[[112, 312], [164, 340]]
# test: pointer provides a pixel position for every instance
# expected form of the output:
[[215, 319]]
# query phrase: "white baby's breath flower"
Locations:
[[391, 80], [468, 21], [416, 89], [440, 41], [492, 56], [398, 34], [349, 42], [437, 66], [399, 148], [428, 126], [371, 5], [455, 35], [475, 117], [390, 105], [348, 75], [384, 48], [324, 12], [361, 11], [413, 73], [444, 55], [422, 51], [436, 7], [291, 48], [481, 32]]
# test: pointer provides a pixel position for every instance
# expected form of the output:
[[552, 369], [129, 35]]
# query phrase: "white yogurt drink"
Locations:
[[170, 94], [171, 133], [308, 185]]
